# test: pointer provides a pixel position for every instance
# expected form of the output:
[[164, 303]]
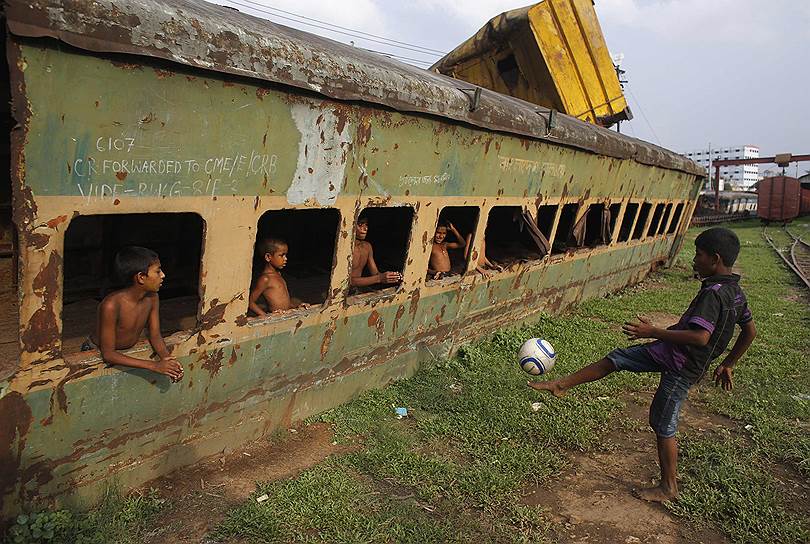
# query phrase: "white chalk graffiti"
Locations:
[[438, 179], [209, 176], [528, 166]]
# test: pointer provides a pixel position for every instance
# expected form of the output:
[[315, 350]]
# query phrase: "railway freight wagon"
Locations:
[[196, 130], [779, 198]]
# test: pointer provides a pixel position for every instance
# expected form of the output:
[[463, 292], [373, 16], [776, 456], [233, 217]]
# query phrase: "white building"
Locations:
[[739, 177]]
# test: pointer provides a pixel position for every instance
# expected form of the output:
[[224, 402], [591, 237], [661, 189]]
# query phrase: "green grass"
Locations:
[[726, 487], [472, 442], [116, 519], [455, 469]]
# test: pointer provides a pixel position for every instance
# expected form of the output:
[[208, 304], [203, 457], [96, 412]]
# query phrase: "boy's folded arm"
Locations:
[[107, 342], [155, 337], [253, 305], [462, 243], [364, 281], [114, 357]]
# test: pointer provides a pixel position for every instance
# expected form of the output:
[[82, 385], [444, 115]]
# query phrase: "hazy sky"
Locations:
[[728, 72]]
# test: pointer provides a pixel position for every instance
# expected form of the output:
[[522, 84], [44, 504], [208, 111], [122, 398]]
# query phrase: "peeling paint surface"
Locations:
[[173, 139], [203, 35], [321, 155]]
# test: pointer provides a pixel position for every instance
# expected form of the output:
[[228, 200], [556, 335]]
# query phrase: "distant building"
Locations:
[[740, 177]]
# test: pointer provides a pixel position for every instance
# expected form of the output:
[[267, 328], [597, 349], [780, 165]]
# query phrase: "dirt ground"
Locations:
[[593, 502], [200, 496], [590, 502]]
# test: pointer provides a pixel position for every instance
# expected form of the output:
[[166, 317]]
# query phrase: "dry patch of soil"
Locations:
[[199, 496], [592, 501]]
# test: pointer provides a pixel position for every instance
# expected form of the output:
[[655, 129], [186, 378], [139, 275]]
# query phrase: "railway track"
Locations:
[[797, 256]]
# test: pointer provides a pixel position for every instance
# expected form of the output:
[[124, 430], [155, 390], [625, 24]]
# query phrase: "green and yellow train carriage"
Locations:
[[194, 130]]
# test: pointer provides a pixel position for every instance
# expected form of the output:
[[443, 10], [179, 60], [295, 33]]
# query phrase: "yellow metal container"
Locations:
[[552, 54]]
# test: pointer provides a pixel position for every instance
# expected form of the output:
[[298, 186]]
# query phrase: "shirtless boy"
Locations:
[[363, 259], [439, 264], [270, 284], [123, 314]]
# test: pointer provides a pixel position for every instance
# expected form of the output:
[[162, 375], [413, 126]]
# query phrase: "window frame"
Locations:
[[142, 345], [386, 293], [284, 315], [625, 206], [468, 266]]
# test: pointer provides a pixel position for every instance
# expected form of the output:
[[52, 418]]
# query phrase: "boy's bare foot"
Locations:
[[552, 386], [656, 494]]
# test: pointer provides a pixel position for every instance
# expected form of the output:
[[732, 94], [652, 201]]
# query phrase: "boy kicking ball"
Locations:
[[681, 353]]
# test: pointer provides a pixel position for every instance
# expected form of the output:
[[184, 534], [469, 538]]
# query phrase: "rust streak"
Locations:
[[15, 421]]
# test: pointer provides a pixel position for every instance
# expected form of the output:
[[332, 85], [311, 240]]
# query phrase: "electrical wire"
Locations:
[[383, 53], [657, 140], [426, 49], [353, 34]]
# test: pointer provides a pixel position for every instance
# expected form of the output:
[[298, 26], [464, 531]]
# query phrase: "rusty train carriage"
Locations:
[[144, 107]]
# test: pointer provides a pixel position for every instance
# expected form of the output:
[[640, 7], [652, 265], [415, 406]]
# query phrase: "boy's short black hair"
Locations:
[[270, 245], [363, 217], [133, 260], [443, 223], [720, 241]]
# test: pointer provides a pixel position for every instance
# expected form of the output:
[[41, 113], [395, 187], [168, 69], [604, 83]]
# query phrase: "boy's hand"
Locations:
[[170, 367], [390, 277], [723, 376], [636, 331]]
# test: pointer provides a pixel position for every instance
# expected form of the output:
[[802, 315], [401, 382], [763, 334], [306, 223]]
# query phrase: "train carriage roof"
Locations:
[[211, 37]]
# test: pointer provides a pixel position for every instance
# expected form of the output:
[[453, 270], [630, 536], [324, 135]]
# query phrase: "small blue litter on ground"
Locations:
[[401, 412]]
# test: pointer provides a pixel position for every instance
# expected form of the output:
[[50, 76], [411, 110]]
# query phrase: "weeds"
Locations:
[[115, 519]]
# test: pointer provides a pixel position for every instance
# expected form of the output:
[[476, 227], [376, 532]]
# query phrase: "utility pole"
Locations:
[[711, 185], [617, 64]]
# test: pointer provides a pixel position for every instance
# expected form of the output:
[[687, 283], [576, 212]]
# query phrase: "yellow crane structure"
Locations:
[[552, 53]]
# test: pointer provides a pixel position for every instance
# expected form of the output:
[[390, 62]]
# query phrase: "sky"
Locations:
[[719, 72]]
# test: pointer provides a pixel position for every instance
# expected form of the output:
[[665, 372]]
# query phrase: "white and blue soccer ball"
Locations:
[[536, 356]]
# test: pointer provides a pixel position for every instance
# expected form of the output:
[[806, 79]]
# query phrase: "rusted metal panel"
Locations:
[[804, 207], [203, 35], [68, 423]]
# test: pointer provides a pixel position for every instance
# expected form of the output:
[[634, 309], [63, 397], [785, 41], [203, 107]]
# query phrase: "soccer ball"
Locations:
[[536, 356]]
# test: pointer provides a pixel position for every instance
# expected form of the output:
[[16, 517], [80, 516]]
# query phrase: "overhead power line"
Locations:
[[329, 27], [427, 49], [383, 53], [657, 140]]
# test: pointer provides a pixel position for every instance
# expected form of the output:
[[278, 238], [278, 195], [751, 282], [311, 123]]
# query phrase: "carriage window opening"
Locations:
[[656, 218], [545, 219], [676, 218], [665, 218], [627, 222], [451, 243], [293, 259], [382, 238], [512, 237], [615, 210], [563, 238], [9, 309], [91, 243], [597, 225], [638, 232]]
